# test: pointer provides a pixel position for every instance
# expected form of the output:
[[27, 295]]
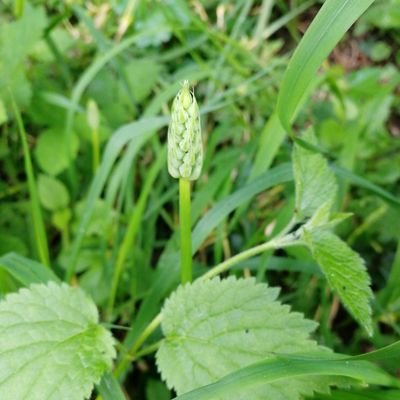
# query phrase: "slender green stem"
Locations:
[[279, 242], [153, 325], [148, 350], [95, 150], [185, 229], [36, 212]]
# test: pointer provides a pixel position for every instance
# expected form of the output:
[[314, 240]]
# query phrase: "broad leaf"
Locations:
[[52, 193], [314, 181], [215, 327], [345, 272], [52, 151], [51, 345]]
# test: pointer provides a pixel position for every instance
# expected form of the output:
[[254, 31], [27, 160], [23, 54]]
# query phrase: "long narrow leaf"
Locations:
[[365, 184], [25, 270], [361, 395], [283, 367], [133, 228], [109, 388], [211, 220], [36, 212], [270, 140], [328, 27]]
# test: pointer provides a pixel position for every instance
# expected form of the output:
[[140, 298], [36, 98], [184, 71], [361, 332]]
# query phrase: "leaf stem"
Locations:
[[185, 230], [278, 242], [132, 352], [148, 350]]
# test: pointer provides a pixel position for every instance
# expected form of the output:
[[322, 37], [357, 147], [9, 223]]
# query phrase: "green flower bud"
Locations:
[[185, 147], [93, 115]]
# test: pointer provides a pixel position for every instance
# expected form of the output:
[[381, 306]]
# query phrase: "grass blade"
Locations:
[[36, 212], [211, 220], [286, 18], [270, 140], [25, 270], [133, 228], [109, 388], [361, 395], [139, 131], [331, 23], [282, 367], [392, 290], [365, 184]]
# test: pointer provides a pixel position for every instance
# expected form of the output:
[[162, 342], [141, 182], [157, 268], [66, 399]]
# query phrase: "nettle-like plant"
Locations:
[[222, 338]]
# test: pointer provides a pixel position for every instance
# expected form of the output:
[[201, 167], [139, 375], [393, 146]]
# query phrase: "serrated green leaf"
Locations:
[[215, 327], [51, 345], [324, 218], [321, 216], [314, 181], [345, 271]]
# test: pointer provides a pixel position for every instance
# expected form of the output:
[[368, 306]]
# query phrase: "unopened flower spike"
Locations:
[[185, 147]]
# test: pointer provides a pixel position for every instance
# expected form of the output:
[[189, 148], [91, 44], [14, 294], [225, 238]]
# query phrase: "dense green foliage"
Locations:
[[299, 195]]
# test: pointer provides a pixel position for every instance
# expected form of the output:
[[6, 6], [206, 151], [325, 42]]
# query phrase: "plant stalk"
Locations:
[[95, 150], [185, 231], [132, 352], [279, 242]]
